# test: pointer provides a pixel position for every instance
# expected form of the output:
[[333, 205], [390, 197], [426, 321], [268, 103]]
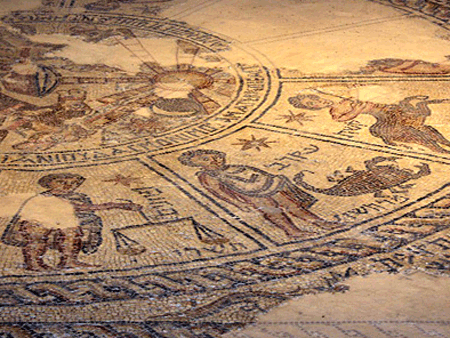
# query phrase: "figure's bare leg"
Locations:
[[33, 257], [272, 212], [282, 221], [70, 248], [288, 202], [313, 219], [59, 243], [35, 247]]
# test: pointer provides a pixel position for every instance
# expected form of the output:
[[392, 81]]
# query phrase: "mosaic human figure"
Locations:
[[45, 127], [402, 122], [61, 219], [248, 188]]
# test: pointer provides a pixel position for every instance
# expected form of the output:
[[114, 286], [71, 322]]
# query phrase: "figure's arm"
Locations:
[[348, 109], [216, 188]]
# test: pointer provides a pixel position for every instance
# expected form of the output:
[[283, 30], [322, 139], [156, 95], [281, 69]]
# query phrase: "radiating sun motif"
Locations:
[[158, 98]]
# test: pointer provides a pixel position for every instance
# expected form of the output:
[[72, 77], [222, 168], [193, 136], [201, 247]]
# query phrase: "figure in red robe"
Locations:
[[248, 188]]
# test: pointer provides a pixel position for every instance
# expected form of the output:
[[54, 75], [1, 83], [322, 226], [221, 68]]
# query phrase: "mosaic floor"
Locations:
[[176, 168]]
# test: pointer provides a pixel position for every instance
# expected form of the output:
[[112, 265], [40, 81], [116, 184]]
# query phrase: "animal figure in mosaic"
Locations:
[[275, 197], [403, 122], [373, 179]]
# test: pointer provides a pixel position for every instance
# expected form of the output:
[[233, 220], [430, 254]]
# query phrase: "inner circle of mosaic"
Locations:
[[163, 84]]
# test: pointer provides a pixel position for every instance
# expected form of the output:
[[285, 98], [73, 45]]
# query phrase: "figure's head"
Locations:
[[203, 158], [61, 183], [310, 101]]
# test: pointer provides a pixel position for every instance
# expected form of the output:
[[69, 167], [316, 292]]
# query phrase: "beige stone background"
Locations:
[[380, 305]]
